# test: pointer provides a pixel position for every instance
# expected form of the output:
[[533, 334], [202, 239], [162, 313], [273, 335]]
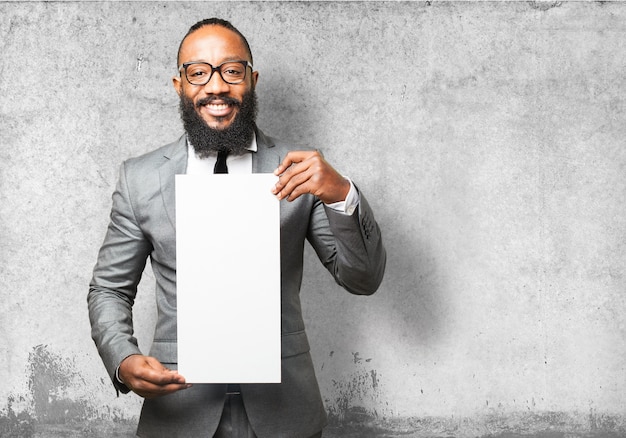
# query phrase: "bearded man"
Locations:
[[216, 85]]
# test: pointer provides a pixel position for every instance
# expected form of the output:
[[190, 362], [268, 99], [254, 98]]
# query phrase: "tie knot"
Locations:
[[220, 164]]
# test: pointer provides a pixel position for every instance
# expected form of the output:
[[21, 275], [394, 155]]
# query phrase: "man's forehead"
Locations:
[[213, 41]]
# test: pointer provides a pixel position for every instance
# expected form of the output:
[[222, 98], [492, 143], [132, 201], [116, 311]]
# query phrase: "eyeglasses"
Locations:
[[200, 73]]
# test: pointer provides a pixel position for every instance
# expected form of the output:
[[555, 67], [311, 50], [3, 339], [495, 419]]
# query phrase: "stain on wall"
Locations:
[[356, 395], [56, 403], [15, 424], [50, 382]]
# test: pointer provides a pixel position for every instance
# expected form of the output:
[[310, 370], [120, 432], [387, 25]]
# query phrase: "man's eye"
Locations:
[[197, 73]]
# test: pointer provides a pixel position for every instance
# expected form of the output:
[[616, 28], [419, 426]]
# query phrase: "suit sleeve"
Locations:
[[349, 246], [113, 288]]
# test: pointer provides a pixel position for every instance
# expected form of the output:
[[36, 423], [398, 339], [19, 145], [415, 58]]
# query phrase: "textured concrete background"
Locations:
[[489, 138]]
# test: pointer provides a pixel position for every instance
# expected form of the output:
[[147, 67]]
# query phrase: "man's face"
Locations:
[[216, 102]]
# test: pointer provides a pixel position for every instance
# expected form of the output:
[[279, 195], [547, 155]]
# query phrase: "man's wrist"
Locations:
[[117, 376], [348, 205], [117, 370]]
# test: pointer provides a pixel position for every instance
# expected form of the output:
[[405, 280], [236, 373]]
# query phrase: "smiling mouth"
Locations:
[[218, 110], [218, 107]]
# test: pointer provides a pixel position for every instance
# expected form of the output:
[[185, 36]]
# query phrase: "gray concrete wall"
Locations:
[[489, 138]]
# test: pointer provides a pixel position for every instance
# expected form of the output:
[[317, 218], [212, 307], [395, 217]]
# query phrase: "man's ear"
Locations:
[[178, 84], [255, 79]]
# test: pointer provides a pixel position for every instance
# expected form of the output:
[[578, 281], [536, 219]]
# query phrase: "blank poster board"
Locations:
[[228, 278]]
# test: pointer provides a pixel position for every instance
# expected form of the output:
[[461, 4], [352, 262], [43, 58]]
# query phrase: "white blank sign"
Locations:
[[228, 278]]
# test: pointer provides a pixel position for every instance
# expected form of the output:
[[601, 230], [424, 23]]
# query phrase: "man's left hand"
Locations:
[[308, 172]]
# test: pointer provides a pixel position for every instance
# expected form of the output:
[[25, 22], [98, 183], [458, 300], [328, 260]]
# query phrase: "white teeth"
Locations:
[[218, 107]]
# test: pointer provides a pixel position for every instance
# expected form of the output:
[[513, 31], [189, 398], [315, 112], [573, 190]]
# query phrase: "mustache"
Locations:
[[226, 99]]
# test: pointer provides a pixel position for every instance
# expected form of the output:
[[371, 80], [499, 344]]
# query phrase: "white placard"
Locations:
[[228, 278]]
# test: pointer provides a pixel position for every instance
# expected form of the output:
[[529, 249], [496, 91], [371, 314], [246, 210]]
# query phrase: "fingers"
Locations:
[[295, 157], [147, 377], [308, 172], [295, 172], [149, 390]]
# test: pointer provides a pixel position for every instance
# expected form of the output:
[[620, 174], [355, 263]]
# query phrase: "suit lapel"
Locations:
[[266, 159], [175, 164]]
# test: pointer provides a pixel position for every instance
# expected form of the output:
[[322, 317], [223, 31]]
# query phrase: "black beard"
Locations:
[[234, 139]]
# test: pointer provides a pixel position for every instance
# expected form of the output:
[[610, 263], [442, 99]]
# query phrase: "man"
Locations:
[[218, 105]]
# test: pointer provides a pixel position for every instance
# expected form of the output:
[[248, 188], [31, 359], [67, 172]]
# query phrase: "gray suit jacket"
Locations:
[[143, 224]]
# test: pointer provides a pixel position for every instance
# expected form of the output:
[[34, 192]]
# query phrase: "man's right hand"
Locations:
[[147, 377]]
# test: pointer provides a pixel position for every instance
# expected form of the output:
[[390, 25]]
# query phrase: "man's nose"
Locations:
[[216, 84]]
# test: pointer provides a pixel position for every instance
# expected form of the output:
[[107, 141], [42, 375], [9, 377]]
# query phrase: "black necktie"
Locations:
[[220, 164]]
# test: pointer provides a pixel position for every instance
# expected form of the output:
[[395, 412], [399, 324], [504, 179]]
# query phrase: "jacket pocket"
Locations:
[[165, 351], [294, 343]]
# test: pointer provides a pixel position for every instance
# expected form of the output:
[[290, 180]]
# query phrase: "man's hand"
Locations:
[[147, 377], [308, 172]]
